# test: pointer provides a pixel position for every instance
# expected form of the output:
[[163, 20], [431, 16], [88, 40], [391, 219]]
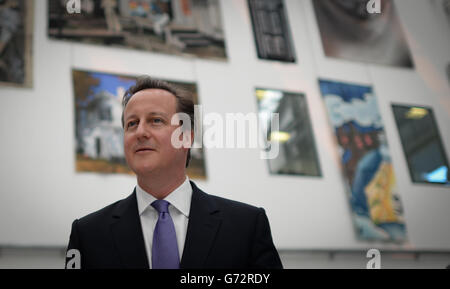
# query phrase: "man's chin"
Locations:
[[143, 169]]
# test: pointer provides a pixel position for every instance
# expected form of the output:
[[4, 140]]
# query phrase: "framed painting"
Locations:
[[297, 153], [16, 39], [422, 144], [351, 30], [271, 30], [365, 159], [98, 124], [181, 27]]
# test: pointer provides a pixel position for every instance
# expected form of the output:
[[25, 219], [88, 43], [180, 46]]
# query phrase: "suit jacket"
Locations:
[[221, 234]]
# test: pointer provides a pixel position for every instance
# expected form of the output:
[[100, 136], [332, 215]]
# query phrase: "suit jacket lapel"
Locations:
[[204, 223], [127, 234]]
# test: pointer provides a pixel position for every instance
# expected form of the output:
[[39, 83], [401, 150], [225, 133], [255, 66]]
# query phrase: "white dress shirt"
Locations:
[[180, 204]]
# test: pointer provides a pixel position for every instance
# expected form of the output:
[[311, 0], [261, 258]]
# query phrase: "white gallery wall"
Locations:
[[41, 193]]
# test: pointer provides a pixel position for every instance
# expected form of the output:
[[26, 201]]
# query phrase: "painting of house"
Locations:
[[98, 111], [98, 123]]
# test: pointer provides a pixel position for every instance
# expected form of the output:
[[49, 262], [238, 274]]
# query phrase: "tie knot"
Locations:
[[161, 206]]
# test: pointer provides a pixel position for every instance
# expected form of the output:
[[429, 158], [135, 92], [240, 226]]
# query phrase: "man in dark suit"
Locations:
[[168, 222]]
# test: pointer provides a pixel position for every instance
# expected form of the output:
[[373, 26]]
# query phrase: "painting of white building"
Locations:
[[102, 136], [98, 123]]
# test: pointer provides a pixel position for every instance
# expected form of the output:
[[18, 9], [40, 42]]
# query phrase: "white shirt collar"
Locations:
[[180, 198]]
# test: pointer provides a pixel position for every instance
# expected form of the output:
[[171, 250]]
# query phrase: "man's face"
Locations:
[[148, 132]]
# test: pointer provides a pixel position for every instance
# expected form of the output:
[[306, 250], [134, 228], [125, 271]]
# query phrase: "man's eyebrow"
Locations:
[[153, 113], [158, 113]]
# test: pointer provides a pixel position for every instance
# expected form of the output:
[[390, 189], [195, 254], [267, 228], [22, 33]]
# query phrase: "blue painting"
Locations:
[[370, 179]]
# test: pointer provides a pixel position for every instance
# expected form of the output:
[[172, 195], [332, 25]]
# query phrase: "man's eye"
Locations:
[[157, 120], [131, 123]]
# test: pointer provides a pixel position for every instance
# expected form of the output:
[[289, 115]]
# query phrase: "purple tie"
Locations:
[[164, 249]]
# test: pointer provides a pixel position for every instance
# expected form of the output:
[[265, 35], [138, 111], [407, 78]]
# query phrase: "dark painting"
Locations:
[[422, 145]]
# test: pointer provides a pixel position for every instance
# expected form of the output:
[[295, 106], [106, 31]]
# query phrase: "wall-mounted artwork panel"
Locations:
[[180, 27], [422, 144], [271, 30], [16, 39], [350, 31], [98, 123], [370, 179], [297, 153]]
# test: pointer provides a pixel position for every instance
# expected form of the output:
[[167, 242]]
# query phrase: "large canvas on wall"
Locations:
[[16, 37], [181, 27], [297, 151], [422, 144], [98, 126], [365, 159], [351, 31]]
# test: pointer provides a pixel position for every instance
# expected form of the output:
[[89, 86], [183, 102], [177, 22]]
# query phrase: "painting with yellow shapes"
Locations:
[[366, 163]]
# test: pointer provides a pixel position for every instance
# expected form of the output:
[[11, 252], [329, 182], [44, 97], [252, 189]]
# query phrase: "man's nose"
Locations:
[[143, 130]]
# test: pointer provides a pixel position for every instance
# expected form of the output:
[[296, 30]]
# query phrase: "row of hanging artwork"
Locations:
[[194, 28]]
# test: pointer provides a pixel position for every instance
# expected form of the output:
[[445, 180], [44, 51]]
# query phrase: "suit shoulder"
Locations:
[[232, 205], [223, 204], [102, 214]]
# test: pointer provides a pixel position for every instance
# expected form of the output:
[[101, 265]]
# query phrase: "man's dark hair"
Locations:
[[183, 98]]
